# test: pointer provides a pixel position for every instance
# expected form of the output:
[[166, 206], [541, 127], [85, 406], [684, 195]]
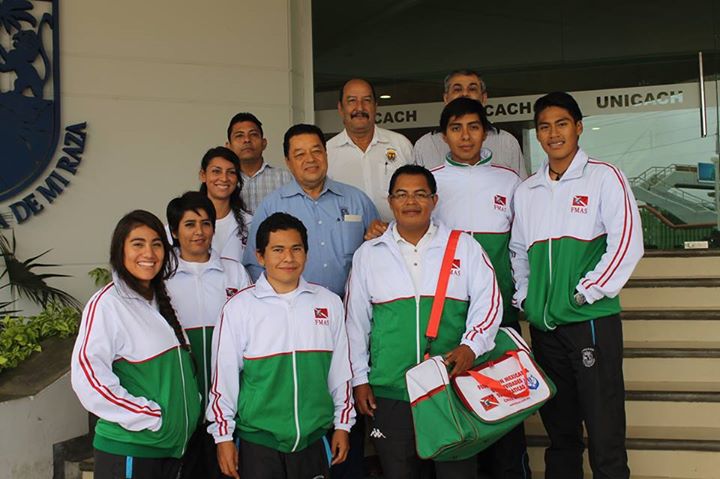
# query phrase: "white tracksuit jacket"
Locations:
[[198, 295], [295, 365], [581, 234], [128, 368], [387, 319]]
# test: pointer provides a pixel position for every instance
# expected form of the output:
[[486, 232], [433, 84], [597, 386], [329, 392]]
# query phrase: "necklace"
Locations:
[[559, 175]]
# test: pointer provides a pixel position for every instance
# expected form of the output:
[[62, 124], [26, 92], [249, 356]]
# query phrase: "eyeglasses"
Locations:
[[403, 196]]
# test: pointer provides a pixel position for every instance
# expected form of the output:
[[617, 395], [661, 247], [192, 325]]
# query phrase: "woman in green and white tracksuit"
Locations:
[[131, 364], [199, 288]]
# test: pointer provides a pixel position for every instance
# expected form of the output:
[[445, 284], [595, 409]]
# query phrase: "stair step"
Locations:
[[671, 315], [668, 415], [650, 464], [681, 253], [656, 352], [677, 266], [661, 343], [673, 396], [669, 370], [700, 438], [673, 386], [674, 282], [673, 414], [670, 298]]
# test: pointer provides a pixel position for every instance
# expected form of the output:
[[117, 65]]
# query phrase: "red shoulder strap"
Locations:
[[441, 289]]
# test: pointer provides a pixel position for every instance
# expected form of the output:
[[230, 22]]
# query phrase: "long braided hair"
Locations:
[[237, 205], [157, 289]]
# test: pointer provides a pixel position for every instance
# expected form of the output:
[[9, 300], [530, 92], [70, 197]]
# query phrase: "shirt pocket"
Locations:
[[351, 235]]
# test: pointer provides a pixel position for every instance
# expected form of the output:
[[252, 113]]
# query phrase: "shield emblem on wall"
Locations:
[[29, 91]]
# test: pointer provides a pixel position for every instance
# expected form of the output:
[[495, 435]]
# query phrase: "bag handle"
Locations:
[[441, 290], [496, 386]]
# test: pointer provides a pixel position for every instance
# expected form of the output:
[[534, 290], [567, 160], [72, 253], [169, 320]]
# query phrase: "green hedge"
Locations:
[[20, 336]]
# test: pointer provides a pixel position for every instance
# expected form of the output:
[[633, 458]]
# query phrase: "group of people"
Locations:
[[222, 347]]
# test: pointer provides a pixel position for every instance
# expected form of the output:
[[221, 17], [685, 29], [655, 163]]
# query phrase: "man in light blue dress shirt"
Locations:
[[335, 214]]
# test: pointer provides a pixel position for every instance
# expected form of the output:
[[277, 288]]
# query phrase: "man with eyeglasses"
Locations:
[[430, 150], [476, 196], [389, 297]]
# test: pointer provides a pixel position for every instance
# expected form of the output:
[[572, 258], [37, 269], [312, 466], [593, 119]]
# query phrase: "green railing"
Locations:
[[660, 233]]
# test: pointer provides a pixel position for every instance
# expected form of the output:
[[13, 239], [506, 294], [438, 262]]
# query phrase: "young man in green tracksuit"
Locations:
[[575, 241], [281, 372], [389, 297], [476, 196]]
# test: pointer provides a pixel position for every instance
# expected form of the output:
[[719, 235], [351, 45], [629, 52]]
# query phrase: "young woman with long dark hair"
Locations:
[[131, 365], [221, 182]]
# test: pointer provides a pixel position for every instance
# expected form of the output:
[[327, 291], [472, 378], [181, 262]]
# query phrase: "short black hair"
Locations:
[[413, 170], [189, 201], [559, 99], [460, 107], [244, 116], [464, 72], [301, 129], [341, 92], [279, 222]]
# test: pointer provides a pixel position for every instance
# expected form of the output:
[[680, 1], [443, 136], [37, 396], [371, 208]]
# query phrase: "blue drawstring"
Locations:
[[327, 449], [592, 330], [128, 467]]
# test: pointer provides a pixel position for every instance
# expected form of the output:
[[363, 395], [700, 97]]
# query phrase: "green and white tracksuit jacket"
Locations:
[[478, 199], [128, 369], [293, 355], [581, 233], [198, 292], [387, 318]]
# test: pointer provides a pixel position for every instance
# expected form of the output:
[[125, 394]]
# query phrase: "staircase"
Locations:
[[671, 325], [661, 187]]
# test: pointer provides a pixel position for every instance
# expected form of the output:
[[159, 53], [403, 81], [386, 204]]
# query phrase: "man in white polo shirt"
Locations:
[[365, 155], [430, 150]]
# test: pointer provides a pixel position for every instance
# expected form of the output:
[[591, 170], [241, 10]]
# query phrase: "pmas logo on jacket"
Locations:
[[30, 112], [230, 292], [579, 204], [322, 317], [455, 267], [500, 202]]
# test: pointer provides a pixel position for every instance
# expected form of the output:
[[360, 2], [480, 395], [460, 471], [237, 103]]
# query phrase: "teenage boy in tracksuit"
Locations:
[[575, 241], [476, 196], [202, 283], [389, 298], [287, 337]]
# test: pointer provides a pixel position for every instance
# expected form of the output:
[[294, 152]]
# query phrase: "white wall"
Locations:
[[31, 425], [157, 83]]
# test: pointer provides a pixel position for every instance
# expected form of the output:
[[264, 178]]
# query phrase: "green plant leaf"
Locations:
[[25, 282]]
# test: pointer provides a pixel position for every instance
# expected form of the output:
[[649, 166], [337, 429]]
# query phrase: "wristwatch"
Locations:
[[580, 299]]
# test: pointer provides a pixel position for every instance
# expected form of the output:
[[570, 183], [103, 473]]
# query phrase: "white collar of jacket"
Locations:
[[438, 240], [575, 170], [379, 136], [485, 159], [215, 262], [126, 291], [263, 289]]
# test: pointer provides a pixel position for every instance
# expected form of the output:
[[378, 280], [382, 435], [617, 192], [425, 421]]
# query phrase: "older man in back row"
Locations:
[[363, 154], [430, 150]]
